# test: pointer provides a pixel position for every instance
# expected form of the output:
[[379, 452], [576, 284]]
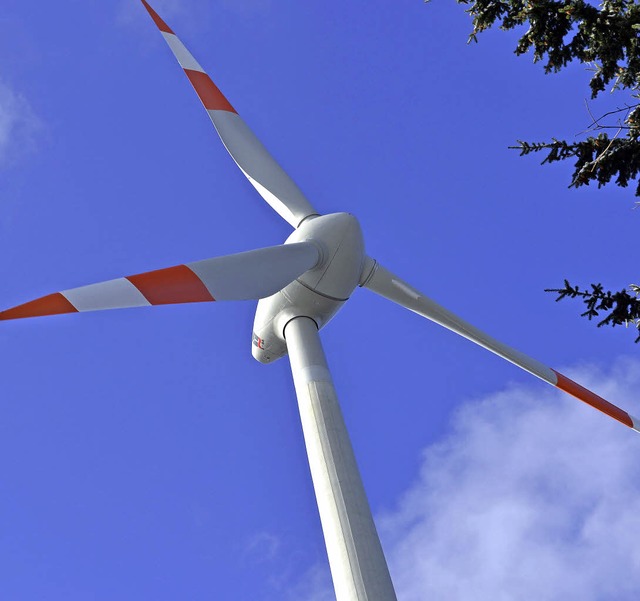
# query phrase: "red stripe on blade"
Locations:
[[172, 285], [162, 26], [591, 398], [52, 304], [212, 98]]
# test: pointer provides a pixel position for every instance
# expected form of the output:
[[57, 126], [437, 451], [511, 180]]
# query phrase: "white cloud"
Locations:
[[130, 12], [19, 126], [315, 585], [248, 8], [186, 17], [263, 547], [532, 496]]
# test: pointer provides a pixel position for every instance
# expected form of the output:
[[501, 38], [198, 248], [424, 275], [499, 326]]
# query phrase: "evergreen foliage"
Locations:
[[620, 308], [606, 38]]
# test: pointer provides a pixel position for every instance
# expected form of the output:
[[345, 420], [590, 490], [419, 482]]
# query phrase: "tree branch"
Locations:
[[619, 308]]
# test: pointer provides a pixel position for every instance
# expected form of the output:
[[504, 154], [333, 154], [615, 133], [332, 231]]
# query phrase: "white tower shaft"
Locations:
[[358, 567]]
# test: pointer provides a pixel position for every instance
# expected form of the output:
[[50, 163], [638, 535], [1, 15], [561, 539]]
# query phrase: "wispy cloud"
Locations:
[[263, 547], [192, 15], [314, 585], [247, 8], [531, 496], [19, 126], [129, 12], [186, 16]]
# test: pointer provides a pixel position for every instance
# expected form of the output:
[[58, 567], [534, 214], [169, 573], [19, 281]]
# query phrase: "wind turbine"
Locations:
[[302, 284]]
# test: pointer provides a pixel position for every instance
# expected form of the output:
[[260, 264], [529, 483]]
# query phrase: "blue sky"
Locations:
[[146, 455]]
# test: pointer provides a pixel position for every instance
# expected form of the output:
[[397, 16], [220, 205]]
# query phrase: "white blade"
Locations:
[[386, 284], [262, 170], [249, 275]]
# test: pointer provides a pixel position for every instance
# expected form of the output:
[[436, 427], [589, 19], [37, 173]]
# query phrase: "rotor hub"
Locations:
[[318, 293]]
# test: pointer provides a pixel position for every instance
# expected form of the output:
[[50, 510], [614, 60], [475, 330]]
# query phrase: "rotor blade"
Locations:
[[248, 275], [386, 284], [267, 177]]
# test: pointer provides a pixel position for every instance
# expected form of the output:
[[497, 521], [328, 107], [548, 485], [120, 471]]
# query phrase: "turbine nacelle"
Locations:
[[319, 292]]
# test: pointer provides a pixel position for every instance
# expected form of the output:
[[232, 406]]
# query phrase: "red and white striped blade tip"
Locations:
[[596, 401], [248, 275], [253, 159], [172, 285], [210, 95], [383, 282]]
